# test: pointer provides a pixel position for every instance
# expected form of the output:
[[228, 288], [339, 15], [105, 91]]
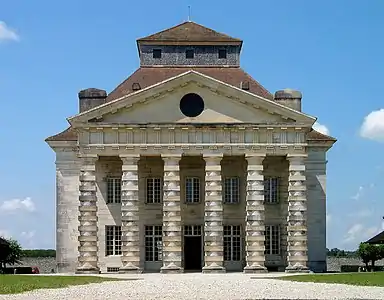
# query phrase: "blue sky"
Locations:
[[330, 50]]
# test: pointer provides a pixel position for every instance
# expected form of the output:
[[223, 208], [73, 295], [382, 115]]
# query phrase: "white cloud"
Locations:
[[359, 193], [321, 128], [7, 33], [359, 233], [28, 234], [373, 126], [14, 205]]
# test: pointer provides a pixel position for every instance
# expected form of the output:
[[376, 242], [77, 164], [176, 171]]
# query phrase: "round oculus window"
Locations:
[[191, 105]]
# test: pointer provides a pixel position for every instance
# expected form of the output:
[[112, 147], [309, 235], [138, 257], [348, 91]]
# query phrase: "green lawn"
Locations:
[[12, 284], [363, 279]]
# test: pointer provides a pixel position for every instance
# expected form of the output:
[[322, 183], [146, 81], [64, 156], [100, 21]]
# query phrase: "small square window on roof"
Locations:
[[189, 54], [222, 53], [156, 53]]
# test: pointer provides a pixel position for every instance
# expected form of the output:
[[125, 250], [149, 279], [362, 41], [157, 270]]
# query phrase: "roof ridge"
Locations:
[[161, 31]]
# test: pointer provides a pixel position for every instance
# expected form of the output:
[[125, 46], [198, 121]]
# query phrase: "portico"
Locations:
[[177, 209]]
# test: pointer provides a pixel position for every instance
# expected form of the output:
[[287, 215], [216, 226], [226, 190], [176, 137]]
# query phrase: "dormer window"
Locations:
[[156, 53], [189, 54], [222, 53]]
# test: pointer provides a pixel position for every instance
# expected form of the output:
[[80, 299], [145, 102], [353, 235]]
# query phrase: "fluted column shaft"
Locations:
[[172, 244], [130, 215], [297, 249], [88, 249], [255, 217], [213, 216]]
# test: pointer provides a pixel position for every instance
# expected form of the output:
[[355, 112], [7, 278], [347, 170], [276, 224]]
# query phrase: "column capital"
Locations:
[[297, 157], [210, 157], [89, 159], [257, 158], [171, 157], [130, 158]]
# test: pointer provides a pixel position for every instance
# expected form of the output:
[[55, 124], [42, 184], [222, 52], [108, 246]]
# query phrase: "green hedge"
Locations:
[[355, 268], [39, 253]]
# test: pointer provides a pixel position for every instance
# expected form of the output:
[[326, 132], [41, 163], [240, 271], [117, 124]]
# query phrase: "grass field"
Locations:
[[363, 279], [12, 284]]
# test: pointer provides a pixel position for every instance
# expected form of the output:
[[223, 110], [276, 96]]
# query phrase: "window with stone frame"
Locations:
[[232, 243], [271, 190], [154, 190], [153, 243], [156, 53], [231, 190], [192, 190], [112, 240], [272, 239], [113, 190]]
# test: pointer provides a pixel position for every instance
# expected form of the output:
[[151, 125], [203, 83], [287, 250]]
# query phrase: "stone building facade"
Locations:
[[190, 164]]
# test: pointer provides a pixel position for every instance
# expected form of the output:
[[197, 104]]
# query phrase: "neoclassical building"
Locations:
[[190, 164]]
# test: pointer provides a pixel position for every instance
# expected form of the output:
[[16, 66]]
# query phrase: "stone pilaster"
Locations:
[[88, 249], [255, 227], [172, 246], [130, 215], [213, 216], [297, 249]]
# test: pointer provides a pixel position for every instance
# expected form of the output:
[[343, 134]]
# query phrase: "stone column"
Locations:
[[88, 248], [213, 217], [255, 227], [172, 245], [297, 249], [130, 216]]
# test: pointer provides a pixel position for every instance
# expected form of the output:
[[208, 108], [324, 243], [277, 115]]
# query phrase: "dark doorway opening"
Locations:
[[192, 253]]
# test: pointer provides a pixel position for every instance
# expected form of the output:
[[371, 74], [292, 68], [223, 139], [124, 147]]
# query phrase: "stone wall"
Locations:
[[203, 56], [46, 264]]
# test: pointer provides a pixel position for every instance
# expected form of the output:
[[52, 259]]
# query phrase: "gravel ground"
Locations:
[[203, 286]]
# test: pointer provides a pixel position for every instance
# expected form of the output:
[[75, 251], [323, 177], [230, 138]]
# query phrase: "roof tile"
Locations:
[[148, 76], [189, 32]]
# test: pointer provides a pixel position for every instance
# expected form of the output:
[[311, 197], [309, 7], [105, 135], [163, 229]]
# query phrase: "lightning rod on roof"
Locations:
[[189, 13]]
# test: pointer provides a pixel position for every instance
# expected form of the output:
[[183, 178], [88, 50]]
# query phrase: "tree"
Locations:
[[11, 253], [370, 253]]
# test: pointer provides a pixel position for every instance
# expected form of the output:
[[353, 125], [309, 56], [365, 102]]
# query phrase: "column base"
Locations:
[[255, 269], [214, 269], [130, 270], [87, 271], [297, 269], [171, 270]]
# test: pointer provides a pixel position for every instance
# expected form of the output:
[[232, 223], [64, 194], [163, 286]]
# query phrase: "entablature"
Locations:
[[192, 134]]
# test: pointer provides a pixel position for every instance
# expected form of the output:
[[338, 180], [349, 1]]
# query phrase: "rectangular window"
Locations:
[[272, 239], [156, 53], [153, 243], [112, 240], [232, 190], [192, 190], [154, 190], [190, 53], [222, 53], [113, 190], [232, 243], [271, 190]]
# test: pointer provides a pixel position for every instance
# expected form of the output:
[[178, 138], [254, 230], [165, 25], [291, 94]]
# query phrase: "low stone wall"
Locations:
[[46, 264], [334, 263]]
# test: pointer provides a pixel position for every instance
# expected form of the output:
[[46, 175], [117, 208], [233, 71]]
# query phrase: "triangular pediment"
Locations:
[[224, 104], [209, 116]]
